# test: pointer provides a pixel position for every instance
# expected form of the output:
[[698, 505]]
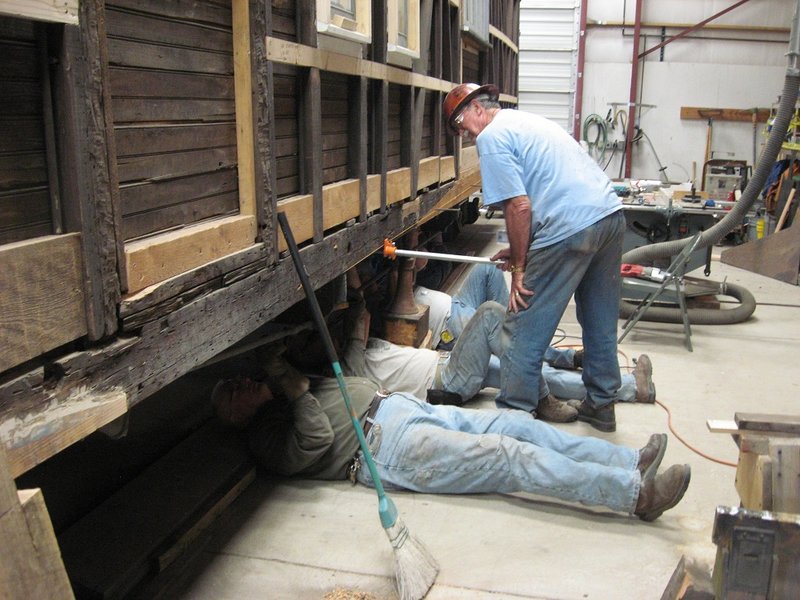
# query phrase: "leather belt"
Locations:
[[373, 410]]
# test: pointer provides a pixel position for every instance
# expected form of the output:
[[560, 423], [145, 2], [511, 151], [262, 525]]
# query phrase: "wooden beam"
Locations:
[[503, 38], [30, 565], [745, 115], [310, 117], [38, 436], [86, 184], [768, 422], [160, 257], [118, 544], [61, 11], [243, 101], [290, 53], [266, 161], [41, 297]]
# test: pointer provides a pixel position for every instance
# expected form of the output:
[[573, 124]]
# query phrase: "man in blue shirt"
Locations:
[[565, 228]]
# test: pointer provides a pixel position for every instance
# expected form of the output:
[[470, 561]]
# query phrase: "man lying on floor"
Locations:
[[306, 430], [456, 376]]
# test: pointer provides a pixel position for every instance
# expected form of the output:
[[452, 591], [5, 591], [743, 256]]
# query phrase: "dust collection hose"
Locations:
[[645, 255]]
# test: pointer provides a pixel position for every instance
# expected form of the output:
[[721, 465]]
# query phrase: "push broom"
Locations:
[[415, 568]]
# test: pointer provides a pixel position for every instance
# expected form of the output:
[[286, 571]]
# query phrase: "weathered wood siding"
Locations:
[[397, 116], [172, 90], [24, 194], [335, 103], [286, 148]]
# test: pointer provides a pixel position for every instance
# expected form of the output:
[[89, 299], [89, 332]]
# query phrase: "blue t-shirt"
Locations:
[[523, 154]]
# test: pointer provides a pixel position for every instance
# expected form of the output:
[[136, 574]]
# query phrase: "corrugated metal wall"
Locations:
[[548, 50]]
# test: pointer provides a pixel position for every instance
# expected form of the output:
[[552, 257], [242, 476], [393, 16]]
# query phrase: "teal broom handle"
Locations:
[[387, 510]]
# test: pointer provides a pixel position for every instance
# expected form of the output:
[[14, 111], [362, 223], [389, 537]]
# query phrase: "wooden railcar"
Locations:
[[146, 148]]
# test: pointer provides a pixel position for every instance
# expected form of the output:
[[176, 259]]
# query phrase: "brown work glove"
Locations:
[[293, 383]]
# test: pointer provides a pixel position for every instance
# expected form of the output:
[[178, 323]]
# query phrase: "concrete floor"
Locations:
[[301, 539]]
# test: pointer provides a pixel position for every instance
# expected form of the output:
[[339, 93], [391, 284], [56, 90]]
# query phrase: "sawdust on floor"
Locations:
[[342, 594]]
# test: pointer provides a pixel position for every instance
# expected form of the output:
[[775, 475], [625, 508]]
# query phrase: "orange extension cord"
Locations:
[[669, 418]]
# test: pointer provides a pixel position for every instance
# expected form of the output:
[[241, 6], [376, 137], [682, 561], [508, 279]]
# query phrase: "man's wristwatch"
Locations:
[[515, 269]]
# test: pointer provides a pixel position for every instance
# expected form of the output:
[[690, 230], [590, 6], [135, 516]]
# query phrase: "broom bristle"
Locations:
[[415, 567]]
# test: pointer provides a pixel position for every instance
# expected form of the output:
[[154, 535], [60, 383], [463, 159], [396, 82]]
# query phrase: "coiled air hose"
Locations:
[[645, 255]]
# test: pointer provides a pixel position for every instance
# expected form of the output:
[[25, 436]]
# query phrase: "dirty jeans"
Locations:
[[450, 450], [586, 264], [473, 364], [567, 384], [485, 282]]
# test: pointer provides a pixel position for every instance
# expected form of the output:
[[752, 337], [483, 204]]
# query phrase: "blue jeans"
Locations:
[[449, 450], [485, 282], [469, 367], [586, 264], [473, 364], [567, 384]]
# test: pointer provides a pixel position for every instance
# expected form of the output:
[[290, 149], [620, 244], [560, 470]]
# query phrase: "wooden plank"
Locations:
[[52, 579], [177, 164], [142, 110], [263, 125], [178, 216], [54, 11], [754, 481], [159, 30], [183, 540], [341, 202], [41, 297], [163, 256], [785, 211], [151, 139], [38, 436], [768, 422], [244, 107], [290, 53], [118, 544], [158, 193], [503, 38], [127, 53], [180, 284], [311, 146], [429, 172], [86, 186], [216, 13], [722, 426], [31, 564], [168, 84], [725, 114]]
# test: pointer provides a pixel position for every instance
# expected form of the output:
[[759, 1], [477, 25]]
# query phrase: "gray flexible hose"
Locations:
[[645, 255]]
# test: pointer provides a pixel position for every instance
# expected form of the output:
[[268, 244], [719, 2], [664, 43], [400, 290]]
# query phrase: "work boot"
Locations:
[[662, 492], [651, 455], [554, 410], [643, 376], [577, 359], [602, 418]]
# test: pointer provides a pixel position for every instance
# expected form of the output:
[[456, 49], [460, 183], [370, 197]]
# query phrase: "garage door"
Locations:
[[548, 53]]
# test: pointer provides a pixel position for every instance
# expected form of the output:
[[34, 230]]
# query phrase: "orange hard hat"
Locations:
[[460, 96]]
